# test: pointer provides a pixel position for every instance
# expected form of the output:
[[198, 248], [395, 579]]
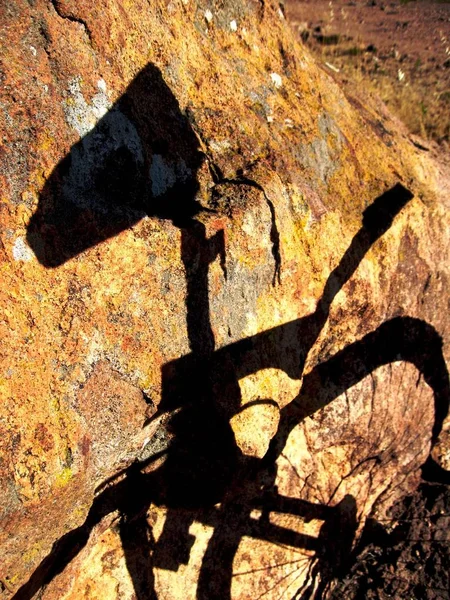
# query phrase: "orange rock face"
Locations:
[[223, 294]]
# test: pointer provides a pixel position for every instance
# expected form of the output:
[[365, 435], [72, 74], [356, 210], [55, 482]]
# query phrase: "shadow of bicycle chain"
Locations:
[[141, 159]]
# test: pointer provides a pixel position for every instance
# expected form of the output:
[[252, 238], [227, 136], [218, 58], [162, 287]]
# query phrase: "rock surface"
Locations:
[[223, 289]]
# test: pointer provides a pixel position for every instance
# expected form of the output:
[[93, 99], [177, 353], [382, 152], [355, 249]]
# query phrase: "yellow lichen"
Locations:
[[63, 477]]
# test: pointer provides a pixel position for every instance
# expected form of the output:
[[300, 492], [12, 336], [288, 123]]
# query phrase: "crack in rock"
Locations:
[[59, 11]]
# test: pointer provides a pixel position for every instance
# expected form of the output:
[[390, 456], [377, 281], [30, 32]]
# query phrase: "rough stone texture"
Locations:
[[176, 178]]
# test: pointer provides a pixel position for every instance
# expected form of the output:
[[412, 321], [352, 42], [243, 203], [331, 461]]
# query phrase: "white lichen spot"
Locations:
[[276, 80], [21, 251], [249, 225], [76, 109], [101, 84], [233, 25], [208, 15], [100, 103], [33, 50], [94, 347], [269, 119], [401, 75], [79, 115], [219, 146], [45, 88]]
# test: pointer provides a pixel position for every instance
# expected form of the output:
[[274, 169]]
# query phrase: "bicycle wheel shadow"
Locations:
[[142, 158]]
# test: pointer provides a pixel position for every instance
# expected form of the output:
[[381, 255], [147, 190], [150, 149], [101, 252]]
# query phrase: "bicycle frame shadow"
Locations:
[[286, 347], [103, 187]]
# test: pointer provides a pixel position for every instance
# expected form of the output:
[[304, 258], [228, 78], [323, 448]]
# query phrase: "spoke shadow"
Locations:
[[142, 159]]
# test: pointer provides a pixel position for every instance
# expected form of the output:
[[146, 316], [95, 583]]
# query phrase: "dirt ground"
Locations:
[[399, 50], [407, 557]]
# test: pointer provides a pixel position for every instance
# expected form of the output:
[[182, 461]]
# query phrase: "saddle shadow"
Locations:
[[141, 158]]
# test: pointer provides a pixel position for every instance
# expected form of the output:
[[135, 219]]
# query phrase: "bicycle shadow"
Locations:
[[142, 158], [286, 347]]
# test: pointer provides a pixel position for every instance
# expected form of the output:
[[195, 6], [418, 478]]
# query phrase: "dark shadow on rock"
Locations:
[[137, 537], [405, 554], [335, 543], [142, 159]]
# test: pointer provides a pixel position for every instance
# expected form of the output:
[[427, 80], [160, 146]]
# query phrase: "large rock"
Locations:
[[196, 221]]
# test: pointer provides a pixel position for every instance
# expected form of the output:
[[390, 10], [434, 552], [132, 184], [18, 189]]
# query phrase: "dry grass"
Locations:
[[419, 97]]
